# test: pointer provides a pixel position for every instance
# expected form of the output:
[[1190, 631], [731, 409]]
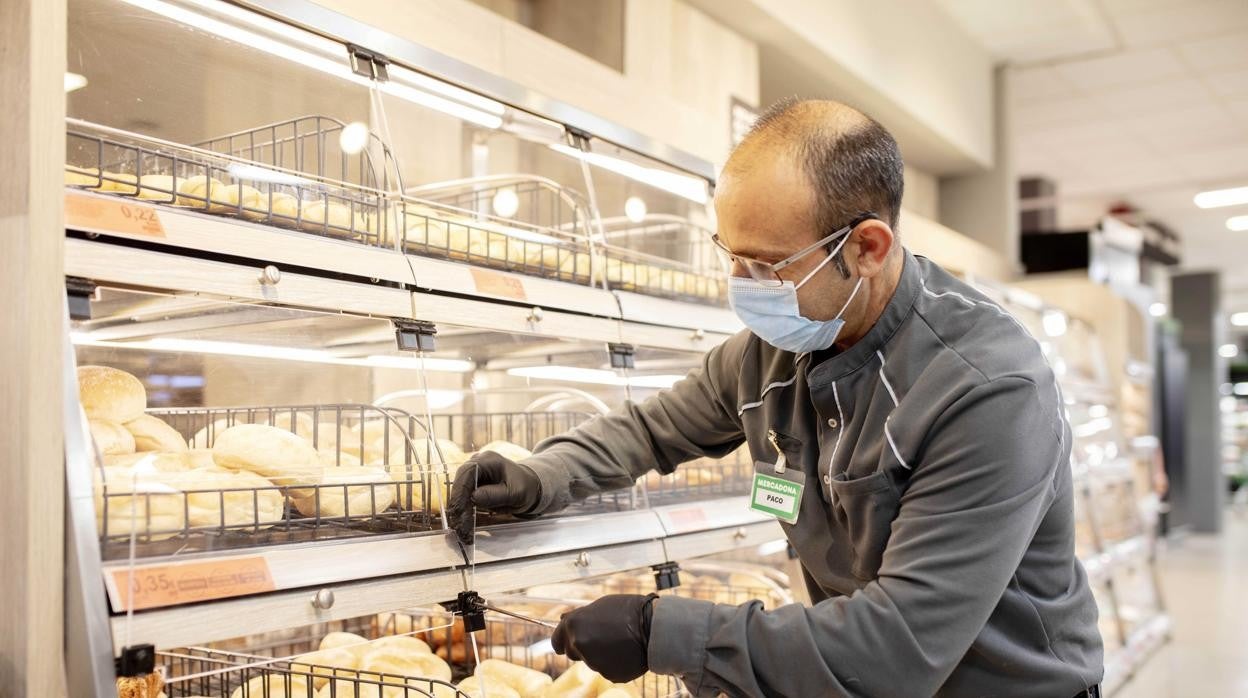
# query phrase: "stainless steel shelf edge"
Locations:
[[708, 515], [721, 540], [208, 622], [490, 315], [694, 316], [132, 267], [343, 28], [222, 235], [573, 533]]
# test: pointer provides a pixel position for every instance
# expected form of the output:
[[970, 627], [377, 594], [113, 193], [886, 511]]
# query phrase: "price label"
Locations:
[[498, 284], [156, 586], [778, 495], [106, 215]]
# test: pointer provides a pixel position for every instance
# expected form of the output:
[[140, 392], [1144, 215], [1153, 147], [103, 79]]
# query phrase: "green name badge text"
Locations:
[[777, 495]]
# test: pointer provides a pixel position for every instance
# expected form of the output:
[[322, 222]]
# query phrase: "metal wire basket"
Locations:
[[663, 255], [704, 478]]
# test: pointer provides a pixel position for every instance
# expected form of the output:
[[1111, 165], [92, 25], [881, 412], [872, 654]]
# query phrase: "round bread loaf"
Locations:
[[152, 461], [271, 452], [523, 680], [491, 687], [110, 393], [401, 662], [325, 664], [507, 450], [110, 437], [220, 498], [130, 501], [358, 645], [153, 434], [345, 491], [276, 686]]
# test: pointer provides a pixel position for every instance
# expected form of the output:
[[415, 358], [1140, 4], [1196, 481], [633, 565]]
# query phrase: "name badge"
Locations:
[[777, 494]]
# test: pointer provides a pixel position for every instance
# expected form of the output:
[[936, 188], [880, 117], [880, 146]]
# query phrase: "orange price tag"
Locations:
[[683, 518], [497, 284], [170, 585], [112, 216]]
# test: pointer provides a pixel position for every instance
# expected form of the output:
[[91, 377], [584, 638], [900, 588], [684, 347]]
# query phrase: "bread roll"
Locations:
[[129, 500], [458, 652], [357, 644], [82, 176], [380, 437], [327, 438], [158, 188], [276, 686], [120, 183], [317, 215], [110, 437], [325, 664], [402, 643], [297, 422], [507, 450], [110, 393], [390, 623], [218, 498], [525, 681], [153, 434], [351, 688], [491, 687], [271, 452], [195, 192], [401, 662], [208, 434], [151, 461], [345, 491], [202, 458], [332, 459], [579, 681]]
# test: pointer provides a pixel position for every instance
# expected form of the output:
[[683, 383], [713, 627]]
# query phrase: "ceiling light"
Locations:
[[1054, 322], [635, 209], [1157, 309], [1228, 351], [74, 81], [1218, 198], [333, 66], [1237, 223], [1241, 389], [505, 202], [1239, 319], [596, 376], [686, 186], [353, 137]]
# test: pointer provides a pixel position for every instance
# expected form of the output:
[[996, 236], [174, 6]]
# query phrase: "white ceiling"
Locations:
[[1143, 101]]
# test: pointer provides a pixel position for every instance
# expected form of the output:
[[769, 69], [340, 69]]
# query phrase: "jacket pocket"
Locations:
[[867, 507]]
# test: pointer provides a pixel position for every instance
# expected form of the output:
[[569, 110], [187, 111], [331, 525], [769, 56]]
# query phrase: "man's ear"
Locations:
[[872, 241]]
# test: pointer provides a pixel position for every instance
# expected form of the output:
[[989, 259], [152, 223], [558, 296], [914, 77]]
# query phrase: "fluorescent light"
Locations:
[[1054, 322], [318, 62], [430, 363], [264, 351], [1239, 319], [1157, 309], [1228, 351], [1218, 198], [505, 202], [692, 188], [635, 209], [264, 174], [596, 376], [1237, 223], [74, 81]]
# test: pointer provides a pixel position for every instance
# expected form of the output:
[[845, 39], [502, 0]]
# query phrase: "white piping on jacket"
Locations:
[[775, 384], [836, 395], [884, 378], [889, 436]]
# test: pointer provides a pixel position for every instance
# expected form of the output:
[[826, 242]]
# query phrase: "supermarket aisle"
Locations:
[[1204, 579]]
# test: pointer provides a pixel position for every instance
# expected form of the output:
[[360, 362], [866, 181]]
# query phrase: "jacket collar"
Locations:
[[830, 365]]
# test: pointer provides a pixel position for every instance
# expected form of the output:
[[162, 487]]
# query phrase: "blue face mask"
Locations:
[[772, 312]]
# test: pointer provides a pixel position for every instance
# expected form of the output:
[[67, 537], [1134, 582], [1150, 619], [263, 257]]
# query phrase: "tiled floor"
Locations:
[[1205, 582]]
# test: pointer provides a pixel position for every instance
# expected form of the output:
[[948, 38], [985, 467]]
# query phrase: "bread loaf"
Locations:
[[158, 188], [82, 176], [196, 192], [297, 422], [151, 461], [130, 501], [110, 437], [271, 452], [390, 623], [507, 450], [490, 687], [317, 215], [219, 498], [345, 491], [276, 686], [400, 662], [331, 459], [202, 458], [356, 644], [579, 681], [401, 643], [120, 183], [322, 665], [208, 434], [110, 393], [153, 434], [525, 681]]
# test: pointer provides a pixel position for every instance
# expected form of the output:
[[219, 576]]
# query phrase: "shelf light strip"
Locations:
[[593, 376], [337, 68], [264, 351], [692, 188]]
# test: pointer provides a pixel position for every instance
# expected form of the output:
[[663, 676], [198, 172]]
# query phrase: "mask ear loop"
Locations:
[[849, 300], [825, 261]]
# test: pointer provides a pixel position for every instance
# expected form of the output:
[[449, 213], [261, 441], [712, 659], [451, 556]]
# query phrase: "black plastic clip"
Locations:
[[80, 293], [136, 660], [622, 355], [666, 576], [470, 607], [367, 63], [414, 335]]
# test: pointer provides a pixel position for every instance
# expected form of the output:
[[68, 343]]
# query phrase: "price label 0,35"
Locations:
[[777, 494], [156, 586], [108, 215]]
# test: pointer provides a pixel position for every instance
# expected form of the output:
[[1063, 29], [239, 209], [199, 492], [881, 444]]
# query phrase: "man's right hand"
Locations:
[[492, 483]]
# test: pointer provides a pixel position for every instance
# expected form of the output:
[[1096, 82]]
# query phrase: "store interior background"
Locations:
[[1057, 147]]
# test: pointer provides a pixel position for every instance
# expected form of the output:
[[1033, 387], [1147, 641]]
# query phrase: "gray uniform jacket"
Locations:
[[936, 530]]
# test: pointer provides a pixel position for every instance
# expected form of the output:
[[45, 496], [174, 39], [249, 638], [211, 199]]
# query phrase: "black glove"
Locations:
[[611, 635], [492, 483]]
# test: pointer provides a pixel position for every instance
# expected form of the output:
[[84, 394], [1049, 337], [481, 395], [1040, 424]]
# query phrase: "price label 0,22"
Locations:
[[105, 215]]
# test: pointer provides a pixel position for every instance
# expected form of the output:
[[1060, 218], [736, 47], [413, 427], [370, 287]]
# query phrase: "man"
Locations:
[[935, 527]]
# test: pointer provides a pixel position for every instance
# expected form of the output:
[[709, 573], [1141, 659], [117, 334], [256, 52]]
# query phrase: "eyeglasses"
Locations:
[[768, 272]]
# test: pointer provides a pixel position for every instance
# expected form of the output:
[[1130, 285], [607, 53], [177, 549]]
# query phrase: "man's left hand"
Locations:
[[611, 635]]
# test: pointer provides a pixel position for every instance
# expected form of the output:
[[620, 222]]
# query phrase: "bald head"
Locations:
[[852, 164]]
